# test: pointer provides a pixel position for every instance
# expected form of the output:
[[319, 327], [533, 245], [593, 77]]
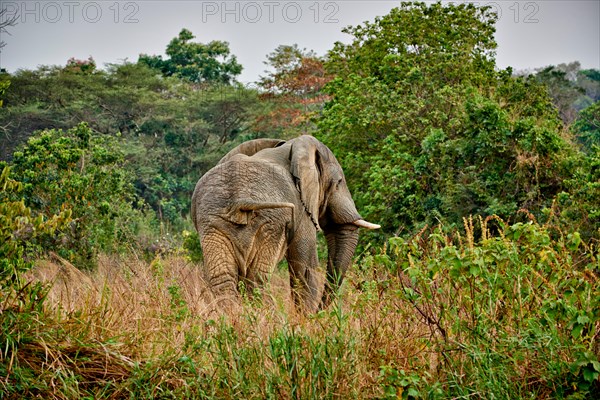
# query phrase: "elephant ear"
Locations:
[[304, 166], [252, 147]]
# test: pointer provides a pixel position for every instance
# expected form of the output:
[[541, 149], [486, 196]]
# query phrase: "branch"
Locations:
[[4, 23]]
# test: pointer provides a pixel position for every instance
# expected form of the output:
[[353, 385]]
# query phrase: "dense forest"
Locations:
[[483, 281]]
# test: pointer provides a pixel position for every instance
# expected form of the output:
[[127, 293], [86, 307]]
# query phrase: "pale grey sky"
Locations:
[[530, 34]]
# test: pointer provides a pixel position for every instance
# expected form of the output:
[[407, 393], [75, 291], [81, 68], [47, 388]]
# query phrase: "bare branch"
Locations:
[[6, 21]]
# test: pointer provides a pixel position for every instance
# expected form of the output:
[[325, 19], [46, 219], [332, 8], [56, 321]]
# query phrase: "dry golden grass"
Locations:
[[127, 298], [149, 309], [130, 297]]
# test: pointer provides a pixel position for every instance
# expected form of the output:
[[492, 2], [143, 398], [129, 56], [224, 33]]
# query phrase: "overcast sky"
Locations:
[[530, 34]]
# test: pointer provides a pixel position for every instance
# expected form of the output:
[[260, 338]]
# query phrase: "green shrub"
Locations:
[[191, 245], [78, 171], [21, 231], [512, 314]]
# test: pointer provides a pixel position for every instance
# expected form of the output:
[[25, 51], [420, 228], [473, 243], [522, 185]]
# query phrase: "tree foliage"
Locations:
[[293, 89], [4, 84], [571, 88], [587, 126], [22, 232], [196, 62], [85, 67], [428, 130]]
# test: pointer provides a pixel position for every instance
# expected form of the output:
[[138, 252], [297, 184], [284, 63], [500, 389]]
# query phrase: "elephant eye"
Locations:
[[339, 182]]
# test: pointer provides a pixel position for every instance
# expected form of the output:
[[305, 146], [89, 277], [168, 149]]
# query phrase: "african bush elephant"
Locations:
[[267, 199]]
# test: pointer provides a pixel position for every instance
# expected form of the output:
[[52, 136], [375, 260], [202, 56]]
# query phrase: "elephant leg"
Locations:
[[221, 269], [257, 278], [265, 251], [303, 262]]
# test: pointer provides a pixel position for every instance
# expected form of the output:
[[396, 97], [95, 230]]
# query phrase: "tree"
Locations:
[[429, 131], [21, 229], [4, 84], [80, 66], [589, 81], [571, 88], [196, 62], [51, 97], [293, 71], [563, 89], [293, 88]]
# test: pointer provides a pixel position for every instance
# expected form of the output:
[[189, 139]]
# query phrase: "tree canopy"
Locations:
[[197, 62], [571, 88], [293, 85], [430, 131]]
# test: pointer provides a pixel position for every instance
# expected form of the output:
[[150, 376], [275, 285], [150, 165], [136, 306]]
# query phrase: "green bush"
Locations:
[[191, 245], [78, 171], [511, 315], [21, 232]]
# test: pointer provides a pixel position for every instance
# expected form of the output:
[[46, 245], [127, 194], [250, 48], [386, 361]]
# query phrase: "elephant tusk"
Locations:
[[364, 224]]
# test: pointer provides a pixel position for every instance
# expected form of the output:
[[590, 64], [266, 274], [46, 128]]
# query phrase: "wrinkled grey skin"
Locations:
[[265, 200]]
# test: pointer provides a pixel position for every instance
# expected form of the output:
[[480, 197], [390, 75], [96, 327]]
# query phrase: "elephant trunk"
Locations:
[[341, 244]]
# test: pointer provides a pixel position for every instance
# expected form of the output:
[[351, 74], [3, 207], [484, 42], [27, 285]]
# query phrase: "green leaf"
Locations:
[[583, 319], [590, 374]]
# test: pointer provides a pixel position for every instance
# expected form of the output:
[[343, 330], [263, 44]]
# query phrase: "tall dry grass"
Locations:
[[128, 298], [158, 312]]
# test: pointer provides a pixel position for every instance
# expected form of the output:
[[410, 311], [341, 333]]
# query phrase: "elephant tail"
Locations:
[[241, 212]]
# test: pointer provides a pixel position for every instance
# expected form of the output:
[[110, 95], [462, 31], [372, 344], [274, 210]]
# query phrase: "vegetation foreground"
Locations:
[[477, 315]]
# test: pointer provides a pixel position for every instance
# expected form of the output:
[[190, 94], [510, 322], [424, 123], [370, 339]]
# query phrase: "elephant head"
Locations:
[[324, 193]]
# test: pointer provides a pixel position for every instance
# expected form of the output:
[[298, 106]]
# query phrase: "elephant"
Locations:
[[265, 200]]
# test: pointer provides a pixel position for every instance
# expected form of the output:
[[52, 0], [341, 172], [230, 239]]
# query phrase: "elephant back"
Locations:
[[252, 147]]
